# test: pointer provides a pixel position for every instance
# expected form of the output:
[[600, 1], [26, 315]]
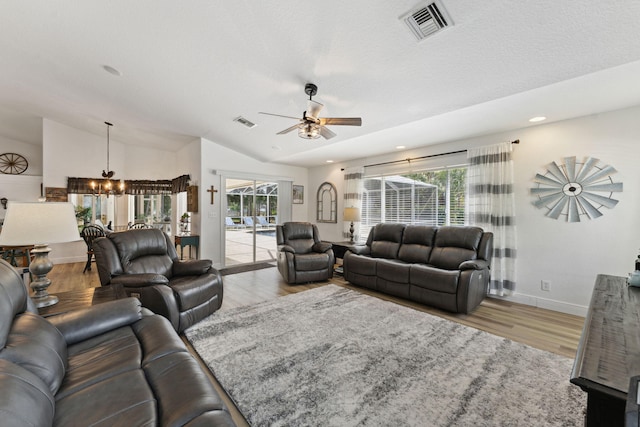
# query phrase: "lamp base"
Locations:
[[39, 268], [351, 230], [44, 301]]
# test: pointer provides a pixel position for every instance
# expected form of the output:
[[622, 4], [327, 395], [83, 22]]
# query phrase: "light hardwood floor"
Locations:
[[544, 329]]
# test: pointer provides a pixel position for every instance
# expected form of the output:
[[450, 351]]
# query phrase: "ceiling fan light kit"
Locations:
[[311, 126]]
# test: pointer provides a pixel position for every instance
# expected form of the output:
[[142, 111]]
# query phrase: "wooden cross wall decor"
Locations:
[[212, 190]]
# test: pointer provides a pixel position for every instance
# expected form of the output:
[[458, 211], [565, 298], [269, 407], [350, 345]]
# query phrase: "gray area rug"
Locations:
[[335, 357]]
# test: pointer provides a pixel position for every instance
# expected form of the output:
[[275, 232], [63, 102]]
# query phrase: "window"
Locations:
[[435, 197]]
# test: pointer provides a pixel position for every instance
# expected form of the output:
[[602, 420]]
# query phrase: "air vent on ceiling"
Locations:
[[427, 20], [245, 122]]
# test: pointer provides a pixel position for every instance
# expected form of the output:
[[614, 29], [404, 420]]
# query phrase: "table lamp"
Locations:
[[33, 224], [353, 215]]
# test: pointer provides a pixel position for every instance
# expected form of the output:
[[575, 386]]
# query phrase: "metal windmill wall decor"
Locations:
[[575, 190]]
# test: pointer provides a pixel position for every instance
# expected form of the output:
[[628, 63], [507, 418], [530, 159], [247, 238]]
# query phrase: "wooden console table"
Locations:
[[191, 240], [74, 300], [609, 350]]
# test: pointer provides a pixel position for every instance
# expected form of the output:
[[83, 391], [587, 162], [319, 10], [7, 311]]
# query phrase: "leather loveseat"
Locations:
[[145, 263], [113, 364], [444, 267]]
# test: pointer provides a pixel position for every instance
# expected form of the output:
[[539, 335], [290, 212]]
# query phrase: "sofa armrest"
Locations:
[[321, 247], [360, 249], [193, 267], [82, 324], [286, 248], [474, 264], [138, 280]]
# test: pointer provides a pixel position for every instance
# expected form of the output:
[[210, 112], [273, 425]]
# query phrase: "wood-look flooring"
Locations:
[[544, 329]]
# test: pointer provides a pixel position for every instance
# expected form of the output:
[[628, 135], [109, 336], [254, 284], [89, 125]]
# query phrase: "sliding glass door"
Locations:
[[252, 213]]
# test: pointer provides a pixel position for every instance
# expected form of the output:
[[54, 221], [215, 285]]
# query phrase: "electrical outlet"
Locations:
[[545, 285]]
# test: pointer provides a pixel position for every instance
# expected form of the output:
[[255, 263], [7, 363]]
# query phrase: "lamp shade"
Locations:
[[351, 214], [31, 223]]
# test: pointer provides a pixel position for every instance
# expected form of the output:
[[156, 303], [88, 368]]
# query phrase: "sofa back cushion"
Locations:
[[454, 245], [143, 251], [417, 242], [36, 345], [385, 240], [13, 299], [301, 236], [26, 400]]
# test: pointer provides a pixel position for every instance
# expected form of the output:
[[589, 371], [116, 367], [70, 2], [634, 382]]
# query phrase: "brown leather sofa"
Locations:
[[145, 263], [302, 257], [444, 267], [113, 364]]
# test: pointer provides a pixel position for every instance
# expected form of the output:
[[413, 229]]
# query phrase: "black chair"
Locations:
[[302, 257], [89, 233], [138, 225], [146, 264]]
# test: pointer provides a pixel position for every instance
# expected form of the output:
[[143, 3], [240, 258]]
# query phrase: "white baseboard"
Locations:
[[548, 304], [68, 260]]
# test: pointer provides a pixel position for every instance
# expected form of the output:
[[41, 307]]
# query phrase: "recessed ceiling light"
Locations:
[[400, 147], [537, 119], [329, 161], [109, 69]]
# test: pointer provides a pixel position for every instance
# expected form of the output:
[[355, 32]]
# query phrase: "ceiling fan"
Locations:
[[311, 126]]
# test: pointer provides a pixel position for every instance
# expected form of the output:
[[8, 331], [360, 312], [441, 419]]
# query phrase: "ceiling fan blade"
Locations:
[[313, 108], [280, 115], [287, 130], [326, 133], [343, 121]]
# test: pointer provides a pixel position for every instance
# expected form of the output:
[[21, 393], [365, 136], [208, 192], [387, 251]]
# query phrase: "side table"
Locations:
[[339, 249], [191, 240], [607, 355], [73, 300]]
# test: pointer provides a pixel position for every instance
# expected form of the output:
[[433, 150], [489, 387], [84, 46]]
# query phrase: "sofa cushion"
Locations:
[[99, 358], [454, 245], [435, 279], [124, 399], [386, 240], [360, 264], [393, 271], [143, 251], [37, 346], [417, 242], [311, 261], [24, 399]]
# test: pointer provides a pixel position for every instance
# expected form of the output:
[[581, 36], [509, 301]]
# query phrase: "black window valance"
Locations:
[[134, 187]]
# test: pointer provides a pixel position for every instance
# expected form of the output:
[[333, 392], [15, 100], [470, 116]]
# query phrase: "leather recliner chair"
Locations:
[[302, 257], [146, 264]]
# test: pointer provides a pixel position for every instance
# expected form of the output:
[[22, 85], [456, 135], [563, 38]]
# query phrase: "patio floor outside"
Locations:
[[239, 246]]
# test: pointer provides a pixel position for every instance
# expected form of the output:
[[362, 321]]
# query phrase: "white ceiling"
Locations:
[[189, 68]]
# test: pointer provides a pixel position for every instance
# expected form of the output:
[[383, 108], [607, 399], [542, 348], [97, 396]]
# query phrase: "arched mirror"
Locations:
[[327, 203]]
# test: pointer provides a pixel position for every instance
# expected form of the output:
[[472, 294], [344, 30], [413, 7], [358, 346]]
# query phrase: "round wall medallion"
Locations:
[[574, 190], [13, 164]]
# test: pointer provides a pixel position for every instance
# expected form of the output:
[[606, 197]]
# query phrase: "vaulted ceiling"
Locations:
[[189, 68]]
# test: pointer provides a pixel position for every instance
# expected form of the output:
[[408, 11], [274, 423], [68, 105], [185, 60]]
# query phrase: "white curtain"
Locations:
[[491, 205], [353, 187]]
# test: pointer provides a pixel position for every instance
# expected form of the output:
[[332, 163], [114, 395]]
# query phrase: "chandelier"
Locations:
[[107, 186]]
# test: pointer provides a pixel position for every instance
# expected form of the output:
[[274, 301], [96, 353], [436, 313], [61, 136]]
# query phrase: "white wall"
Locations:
[[31, 152], [569, 255]]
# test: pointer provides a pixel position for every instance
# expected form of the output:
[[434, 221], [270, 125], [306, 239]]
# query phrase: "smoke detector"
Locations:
[[427, 20]]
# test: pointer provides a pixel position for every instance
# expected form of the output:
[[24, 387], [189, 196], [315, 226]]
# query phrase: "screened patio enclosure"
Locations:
[[399, 199], [251, 216], [241, 201]]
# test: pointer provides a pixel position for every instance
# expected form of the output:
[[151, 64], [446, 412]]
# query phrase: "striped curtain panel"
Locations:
[[491, 205], [353, 187]]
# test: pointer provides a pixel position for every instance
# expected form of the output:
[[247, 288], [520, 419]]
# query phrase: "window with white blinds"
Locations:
[[434, 197]]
